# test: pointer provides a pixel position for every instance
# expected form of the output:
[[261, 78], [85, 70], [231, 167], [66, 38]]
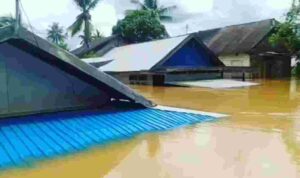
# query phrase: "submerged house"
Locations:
[[247, 45], [156, 62], [37, 76], [53, 104]]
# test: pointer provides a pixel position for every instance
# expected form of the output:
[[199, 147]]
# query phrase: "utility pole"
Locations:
[[18, 16], [187, 28]]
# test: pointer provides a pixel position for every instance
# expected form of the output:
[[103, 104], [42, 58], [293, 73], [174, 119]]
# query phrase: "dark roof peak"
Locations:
[[242, 24], [239, 38]]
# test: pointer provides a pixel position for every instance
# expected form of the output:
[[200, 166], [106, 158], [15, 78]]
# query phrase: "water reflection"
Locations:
[[263, 123], [153, 145], [92, 164]]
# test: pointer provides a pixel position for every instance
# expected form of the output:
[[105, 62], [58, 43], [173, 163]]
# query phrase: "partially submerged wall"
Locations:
[[239, 60]]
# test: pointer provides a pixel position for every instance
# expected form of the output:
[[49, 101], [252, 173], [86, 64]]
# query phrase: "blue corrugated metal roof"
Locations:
[[27, 139]]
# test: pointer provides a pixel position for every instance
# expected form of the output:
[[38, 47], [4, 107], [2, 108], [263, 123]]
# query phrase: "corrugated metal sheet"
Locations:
[[150, 53], [25, 140], [236, 38]]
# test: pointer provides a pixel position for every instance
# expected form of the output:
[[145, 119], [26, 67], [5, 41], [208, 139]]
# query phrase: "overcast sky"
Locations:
[[196, 14]]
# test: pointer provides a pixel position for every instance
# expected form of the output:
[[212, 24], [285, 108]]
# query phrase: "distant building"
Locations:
[[155, 62], [247, 45], [99, 46]]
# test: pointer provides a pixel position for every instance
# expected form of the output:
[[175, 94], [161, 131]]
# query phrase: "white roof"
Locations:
[[142, 56], [95, 60], [216, 84]]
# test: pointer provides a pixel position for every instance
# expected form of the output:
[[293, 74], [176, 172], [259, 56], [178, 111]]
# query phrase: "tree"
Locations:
[[162, 12], [56, 35], [97, 35], [287, 33], [140, 26], [83, 20]]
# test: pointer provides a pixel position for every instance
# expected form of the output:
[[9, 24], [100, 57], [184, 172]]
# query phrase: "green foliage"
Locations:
[[64, 46], [83, 20], [140, 26], [97, 35], [287, 33], [90, 55], [162, 12], [56, 35]]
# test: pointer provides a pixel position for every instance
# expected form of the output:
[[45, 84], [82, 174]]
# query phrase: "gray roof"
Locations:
[[100, 46], [66, 61], [240, 38]]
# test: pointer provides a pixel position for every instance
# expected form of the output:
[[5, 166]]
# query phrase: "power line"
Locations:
[[30, 26]]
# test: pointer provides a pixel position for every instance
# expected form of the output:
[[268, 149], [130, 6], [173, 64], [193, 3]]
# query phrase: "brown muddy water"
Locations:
[[260, 139]]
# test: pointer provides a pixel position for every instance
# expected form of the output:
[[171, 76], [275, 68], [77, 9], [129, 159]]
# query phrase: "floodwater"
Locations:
[[260, 139]]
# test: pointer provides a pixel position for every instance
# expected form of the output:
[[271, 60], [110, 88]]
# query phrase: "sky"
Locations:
[[190, 15]]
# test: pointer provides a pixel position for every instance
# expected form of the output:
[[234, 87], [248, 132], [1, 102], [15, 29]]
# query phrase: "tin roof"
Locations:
[[39, 137], [66, 61], [126, 58], [234, 39]]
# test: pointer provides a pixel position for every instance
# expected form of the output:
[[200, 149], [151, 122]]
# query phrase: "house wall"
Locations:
[[190, 56], [29, 85], [134, 78], [240, 60], [161, 79], [192, 76], [275, 66]]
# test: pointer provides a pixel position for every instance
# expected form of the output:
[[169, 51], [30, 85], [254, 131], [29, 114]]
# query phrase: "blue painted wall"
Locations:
[[190, 56]]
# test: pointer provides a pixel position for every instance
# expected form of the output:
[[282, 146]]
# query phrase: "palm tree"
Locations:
[[97, 35], [84, 19], [55, 34], [94, 36], [6, 20], [162, 12]]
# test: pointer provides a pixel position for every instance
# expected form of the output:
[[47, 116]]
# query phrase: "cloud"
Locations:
[[104, 17], [192, 6], [197, 14], [228, 12]]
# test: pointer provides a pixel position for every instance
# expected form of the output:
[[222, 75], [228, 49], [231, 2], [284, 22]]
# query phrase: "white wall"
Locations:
[[241, 60]]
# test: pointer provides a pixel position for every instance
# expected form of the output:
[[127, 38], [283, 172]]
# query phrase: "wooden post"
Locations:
[[222, 74]]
